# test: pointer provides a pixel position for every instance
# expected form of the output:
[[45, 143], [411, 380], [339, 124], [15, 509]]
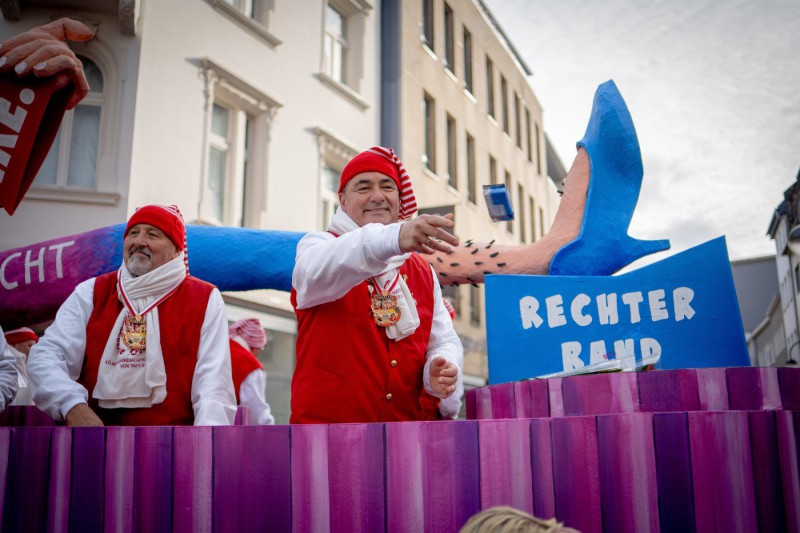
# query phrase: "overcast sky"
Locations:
[[713, 87]]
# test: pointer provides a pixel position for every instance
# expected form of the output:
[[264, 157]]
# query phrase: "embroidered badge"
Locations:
[[134, 332]]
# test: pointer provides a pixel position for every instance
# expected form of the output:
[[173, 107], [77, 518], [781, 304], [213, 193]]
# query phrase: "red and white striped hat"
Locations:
[[167, 218], [251, 331], [383, 160]]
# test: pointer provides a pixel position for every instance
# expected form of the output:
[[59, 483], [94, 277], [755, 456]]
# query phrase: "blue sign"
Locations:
[[681, 312]]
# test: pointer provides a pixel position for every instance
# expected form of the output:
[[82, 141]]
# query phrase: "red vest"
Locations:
[[180, 318], [243, 362], [347, 368]]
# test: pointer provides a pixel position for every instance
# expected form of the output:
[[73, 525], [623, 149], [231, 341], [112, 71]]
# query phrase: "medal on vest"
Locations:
[[134, 331], [134, 325], [383, 304]]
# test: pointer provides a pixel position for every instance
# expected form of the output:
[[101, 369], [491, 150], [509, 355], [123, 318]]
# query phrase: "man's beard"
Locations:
[[138, 265]]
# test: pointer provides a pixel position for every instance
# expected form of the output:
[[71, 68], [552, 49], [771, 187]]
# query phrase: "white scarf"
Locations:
[[136, 379], [409, 318]]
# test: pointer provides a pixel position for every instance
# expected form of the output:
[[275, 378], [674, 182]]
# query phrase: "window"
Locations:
[[532, 211], [429, 110], [335, 44], [528, 134], [472, 189], [489, 87], [541, 222], [538, 150], [521, 213], [234, 172], [510, 223], [334, 154], [427, 23], [342, 61], [492, 170], [475, 305], [467, 60], [328, 194], [71, 162], [449, 39], [517, 121], [504, 101], [452, 154]]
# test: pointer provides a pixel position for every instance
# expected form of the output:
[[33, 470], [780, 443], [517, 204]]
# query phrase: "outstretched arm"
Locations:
[[43, 51]]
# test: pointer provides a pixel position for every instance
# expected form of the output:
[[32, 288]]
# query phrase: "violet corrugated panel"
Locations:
[[786, 423], [767, 471], [192, 467], [432, 475], [310, 485], [451, 466], [469, 400], [242, 417], [119, 478], [600, 394], [770, 387], [251, 478], [789, 382], [5, 449], [522, 399], [483, 403], [749, 389], [668, 390], [539, 398], [722, 471], [505, 463], [152, 484], [28, 473], [58, 496], [406, 477], [503, 402], [554, 397], [712, 387], [674, 471], [88, 495], [628, 483], [356, 476], [544, 497], [576, 473]]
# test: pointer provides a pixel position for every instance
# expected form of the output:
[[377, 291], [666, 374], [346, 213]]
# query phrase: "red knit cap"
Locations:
[[16, 336], [168, 219], [33, 110], [383, 160], [251, 331]]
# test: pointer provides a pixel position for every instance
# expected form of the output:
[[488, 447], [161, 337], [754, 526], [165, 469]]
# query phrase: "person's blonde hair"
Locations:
[[504, 519]]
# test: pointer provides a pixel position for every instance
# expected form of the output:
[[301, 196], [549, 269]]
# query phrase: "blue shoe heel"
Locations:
[[603, 245]]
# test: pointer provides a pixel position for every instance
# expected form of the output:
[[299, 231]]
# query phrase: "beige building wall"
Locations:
[[426, 71]]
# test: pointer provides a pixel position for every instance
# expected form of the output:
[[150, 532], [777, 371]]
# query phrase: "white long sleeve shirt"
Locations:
[[327, 267], [252, 395], [55, 362], [8, 374]]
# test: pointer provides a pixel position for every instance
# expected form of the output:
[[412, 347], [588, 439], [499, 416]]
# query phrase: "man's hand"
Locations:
[[425, 234], [44, 52], [82, 416], [444, 375]]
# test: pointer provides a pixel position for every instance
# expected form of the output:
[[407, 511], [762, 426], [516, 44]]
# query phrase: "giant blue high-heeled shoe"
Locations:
[[603, 245]]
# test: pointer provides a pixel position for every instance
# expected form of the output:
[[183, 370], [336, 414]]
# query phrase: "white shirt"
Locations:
[[8, 374], [23, 390], [55, 362], [326, 268]]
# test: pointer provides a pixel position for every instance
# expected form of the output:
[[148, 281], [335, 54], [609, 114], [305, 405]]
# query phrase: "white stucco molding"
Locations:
[[259, 28], [128, 16]]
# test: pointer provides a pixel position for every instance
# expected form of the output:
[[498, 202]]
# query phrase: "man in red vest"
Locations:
[[249, 378], [373, 332], [145, 345]]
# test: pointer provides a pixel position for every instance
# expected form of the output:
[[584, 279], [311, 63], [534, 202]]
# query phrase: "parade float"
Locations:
[[702, 442]]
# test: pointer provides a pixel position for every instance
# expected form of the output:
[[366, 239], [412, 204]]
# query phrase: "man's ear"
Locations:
[[341, 198]]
